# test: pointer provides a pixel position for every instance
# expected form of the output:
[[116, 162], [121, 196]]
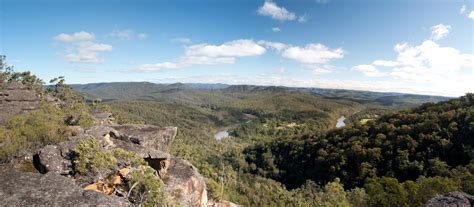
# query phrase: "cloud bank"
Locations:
[[82, 47]]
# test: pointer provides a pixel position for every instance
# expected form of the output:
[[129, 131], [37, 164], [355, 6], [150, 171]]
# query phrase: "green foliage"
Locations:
[[429, 187], [385, 191], [426, 141], [358, 197], [126, 158], [144, 184], [8, 75], [334, 195], [92, 158], [29, 132], [77, 112], [146, 187], [80, 118], [465, 177]]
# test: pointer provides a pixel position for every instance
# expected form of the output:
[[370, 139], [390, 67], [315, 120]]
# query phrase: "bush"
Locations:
[[429, 187], [125, 158], [358, 197], [93, 158], [32, 131], [385, 191], [78, 115], [146, 188], [334, 194]]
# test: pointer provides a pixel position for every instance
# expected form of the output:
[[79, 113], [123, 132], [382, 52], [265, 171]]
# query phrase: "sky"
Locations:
[[408, 46]]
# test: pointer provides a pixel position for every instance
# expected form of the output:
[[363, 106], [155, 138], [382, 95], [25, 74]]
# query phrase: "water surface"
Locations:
[[340, 122], [221, 135]]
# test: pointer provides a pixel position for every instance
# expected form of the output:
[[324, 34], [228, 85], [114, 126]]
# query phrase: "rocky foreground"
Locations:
[[55, 181], [57, 186]]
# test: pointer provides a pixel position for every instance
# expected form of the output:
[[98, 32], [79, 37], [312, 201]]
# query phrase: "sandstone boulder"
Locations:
[[148, 135], [49, 159], [16, 99], [452, 199], [24, 189], [185, 184], [59, 158]]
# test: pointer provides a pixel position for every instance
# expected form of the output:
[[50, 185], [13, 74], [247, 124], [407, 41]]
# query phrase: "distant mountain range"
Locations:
[[150, 91]]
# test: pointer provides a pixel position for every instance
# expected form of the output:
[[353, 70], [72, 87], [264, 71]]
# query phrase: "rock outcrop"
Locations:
[[26, 189], [452, 199], [183, 182], [60, 184], [17, 99], [148, 135]]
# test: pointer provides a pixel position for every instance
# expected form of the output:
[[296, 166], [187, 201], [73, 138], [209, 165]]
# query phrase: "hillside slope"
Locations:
[[430, 140]]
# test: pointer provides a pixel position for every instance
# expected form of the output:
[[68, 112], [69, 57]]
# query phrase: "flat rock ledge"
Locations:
[[26, 189]]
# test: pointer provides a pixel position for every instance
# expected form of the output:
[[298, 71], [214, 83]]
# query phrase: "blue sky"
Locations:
[[415, 46]]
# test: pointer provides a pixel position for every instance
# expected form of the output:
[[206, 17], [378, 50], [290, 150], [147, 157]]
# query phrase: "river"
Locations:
[[221, 135], [340, 122]]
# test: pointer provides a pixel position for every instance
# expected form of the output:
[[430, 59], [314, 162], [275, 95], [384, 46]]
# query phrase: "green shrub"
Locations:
[[92, 157], [429, 187], [146, 187], [32, 131], [334, 194], [358, 197], [127, 158], [85, 120], [78, 115], [385, 191]]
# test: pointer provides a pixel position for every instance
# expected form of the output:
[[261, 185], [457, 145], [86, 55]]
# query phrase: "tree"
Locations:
[[385, 191]]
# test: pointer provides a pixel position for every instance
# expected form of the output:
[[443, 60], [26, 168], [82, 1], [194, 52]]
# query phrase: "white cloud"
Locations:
[[76, 37], [83, 48], [320, 70], [430, 62], [127, 34], [276, 29], [271, 9], [87, 52], [206, 54], [278, 46], [385, 63], [439, 31], [471, 15], [313, 54], [181, 40], [236, 48], [280, 70], [142, 36], [322, 1], [429, 68], [463, 9], [302, 18], [368, 70]]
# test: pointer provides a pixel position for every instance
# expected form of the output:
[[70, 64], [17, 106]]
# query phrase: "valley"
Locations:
[[252, 116]]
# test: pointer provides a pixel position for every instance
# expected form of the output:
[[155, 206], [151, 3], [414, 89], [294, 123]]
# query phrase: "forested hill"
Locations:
[[430, 140], [152, 91]]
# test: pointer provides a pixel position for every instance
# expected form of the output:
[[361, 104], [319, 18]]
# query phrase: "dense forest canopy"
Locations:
[[427, 141]]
